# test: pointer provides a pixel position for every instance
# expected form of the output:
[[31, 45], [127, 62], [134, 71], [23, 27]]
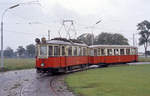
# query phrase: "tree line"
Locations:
[[103, 39], [21, 52]]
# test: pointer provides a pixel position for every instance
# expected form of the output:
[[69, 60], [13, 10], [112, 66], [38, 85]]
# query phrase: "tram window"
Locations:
[[109, 52], [99, 50], [84, 51], [102, 52], [50, 50], [95, 52], [128, 51], [75, 51], [78, 51], [91, 52], [136, 51], [133, 51], [121, 51], [70, 51], [56, 50], [36, 51], [43, 51], [81, 51], [63, 51], [116, 52]]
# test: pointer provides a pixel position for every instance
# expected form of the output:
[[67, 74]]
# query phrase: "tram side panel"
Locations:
[[76, 60]]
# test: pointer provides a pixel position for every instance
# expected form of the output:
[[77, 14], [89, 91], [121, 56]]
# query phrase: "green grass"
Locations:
[[113, 81], [18, 64], [144, 59]]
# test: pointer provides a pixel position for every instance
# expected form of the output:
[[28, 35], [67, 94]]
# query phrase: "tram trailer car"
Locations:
[[112, 54], [62, 55]]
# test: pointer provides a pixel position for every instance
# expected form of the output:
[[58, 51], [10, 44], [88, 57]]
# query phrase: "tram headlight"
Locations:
[[42, 64]]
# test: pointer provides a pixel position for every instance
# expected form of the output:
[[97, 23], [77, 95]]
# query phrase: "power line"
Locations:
[[21, 32]]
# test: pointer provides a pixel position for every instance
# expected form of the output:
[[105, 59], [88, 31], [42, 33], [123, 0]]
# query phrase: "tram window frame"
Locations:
[[37, 50], [70, 51], [103, 52], [84, 51], [95, 52], [63, 52], [51, 51], [81, 51], [116, 52], [133, 51], [128, 51], [91, 52], [45, 54], [136, 51], [99, 52], [122, 52], [56, 51], [78, 51], [109, 52], [75, 51]]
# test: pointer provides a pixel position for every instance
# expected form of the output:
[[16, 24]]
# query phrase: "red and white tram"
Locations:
[[62, 55]]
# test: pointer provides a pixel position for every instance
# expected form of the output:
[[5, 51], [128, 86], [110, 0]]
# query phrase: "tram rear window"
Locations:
[[43, 51]]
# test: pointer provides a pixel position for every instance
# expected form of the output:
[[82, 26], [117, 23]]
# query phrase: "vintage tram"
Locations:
[[62, 55]]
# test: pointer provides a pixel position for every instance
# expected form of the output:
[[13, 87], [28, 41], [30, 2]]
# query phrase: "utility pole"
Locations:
[[133, 39], [49, 34], [93, 30]]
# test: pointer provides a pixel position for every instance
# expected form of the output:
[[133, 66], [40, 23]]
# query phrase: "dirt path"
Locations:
[[28, 83]]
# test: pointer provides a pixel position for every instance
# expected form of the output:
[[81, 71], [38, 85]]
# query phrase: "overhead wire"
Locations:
[[21, 32]]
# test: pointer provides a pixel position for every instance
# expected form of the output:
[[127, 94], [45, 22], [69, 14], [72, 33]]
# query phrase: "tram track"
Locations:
[[54, 88]]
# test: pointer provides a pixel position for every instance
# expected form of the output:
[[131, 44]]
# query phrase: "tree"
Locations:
[[86, 38], [8, 52], [20, 51], [30, 49], [111, 39], [144, 32]]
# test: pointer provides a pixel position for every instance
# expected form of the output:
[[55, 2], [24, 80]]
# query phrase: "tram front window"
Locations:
[[43, 51]]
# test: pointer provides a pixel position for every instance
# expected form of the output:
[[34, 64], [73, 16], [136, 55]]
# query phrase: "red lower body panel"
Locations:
[[112, 59], [64, 61]]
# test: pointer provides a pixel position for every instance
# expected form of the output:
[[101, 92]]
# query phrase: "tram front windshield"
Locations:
[[43, 51]]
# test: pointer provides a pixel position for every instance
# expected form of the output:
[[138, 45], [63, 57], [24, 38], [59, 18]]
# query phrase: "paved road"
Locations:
[[29, 83]]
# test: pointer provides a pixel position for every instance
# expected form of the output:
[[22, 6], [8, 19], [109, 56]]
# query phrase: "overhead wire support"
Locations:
[[67, 29]]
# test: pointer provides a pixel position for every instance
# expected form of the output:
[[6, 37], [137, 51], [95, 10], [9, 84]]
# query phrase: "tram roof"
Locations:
[[112, 46], [60, 42]]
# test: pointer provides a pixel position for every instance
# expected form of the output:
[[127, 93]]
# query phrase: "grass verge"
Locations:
[[112, 81], [18, 64], [144, 59]]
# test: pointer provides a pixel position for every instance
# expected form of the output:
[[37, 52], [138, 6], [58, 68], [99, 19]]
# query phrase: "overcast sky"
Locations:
[[29, 21]]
